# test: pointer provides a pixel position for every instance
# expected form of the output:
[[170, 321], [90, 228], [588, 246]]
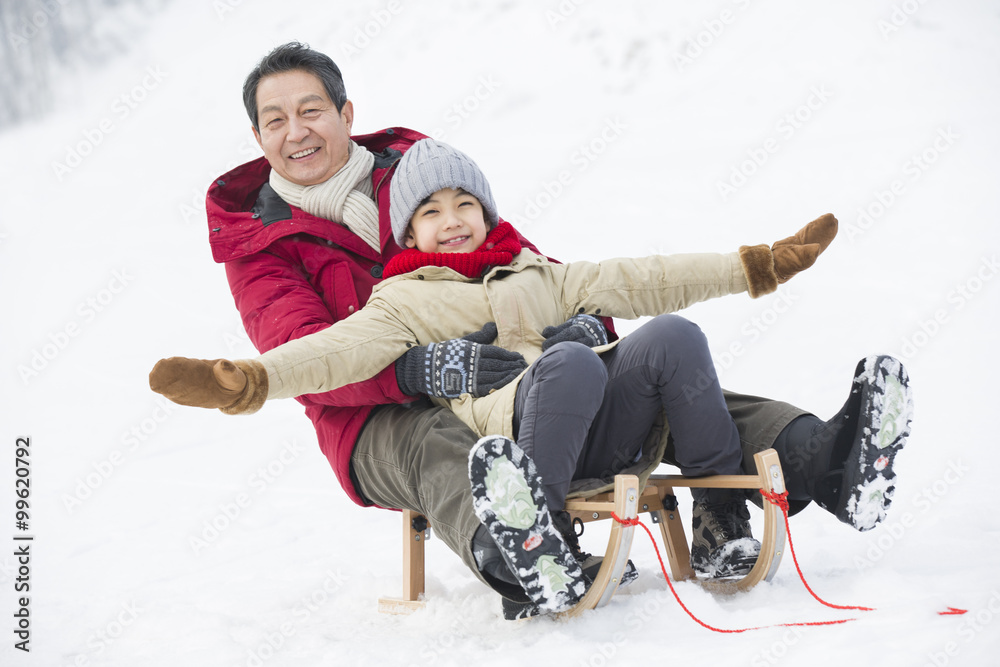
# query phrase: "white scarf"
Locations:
[[346, 197]]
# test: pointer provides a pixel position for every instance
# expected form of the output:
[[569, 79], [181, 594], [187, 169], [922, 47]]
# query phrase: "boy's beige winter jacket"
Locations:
[[434, 304]]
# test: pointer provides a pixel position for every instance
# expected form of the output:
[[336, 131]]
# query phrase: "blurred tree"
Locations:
[[42, 38]]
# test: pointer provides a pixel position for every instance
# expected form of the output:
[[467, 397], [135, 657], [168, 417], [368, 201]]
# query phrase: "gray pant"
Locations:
[[580, 416], [416, 457]]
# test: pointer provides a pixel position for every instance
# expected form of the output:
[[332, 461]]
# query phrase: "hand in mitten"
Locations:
[[466, 365], [238, 387], [766, 268], [585, 329], [799, 252]]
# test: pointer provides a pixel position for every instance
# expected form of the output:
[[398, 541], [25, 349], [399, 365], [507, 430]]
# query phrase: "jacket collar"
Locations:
[[244, 216], [526, 259]]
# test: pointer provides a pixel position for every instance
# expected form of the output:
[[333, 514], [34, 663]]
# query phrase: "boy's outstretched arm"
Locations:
[[636, 287], [278, 303]]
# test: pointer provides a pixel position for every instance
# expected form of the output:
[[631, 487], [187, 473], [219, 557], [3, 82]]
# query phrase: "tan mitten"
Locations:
[[766, 268], [235, 387], [799, 252]]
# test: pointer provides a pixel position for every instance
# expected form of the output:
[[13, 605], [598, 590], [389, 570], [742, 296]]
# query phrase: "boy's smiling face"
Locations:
[[450, 220]]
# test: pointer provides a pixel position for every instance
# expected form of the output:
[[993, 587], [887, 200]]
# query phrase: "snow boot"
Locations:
[[845, 464], [514, 610], [723, 545], [494, 568], [591, 564], [509, 500], [876, 420]]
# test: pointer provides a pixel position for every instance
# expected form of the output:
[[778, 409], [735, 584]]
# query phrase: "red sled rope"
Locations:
[[781, 500]]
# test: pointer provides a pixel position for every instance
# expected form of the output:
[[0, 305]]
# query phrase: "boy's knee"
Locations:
[[676, 326], [574, 362], [676, 333], [572, 353], [673, 341]]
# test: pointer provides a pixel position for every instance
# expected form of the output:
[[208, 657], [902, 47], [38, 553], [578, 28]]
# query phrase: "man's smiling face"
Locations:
[[303, 136]]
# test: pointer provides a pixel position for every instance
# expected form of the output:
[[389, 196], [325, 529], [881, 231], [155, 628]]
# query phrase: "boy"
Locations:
[[575, 415]]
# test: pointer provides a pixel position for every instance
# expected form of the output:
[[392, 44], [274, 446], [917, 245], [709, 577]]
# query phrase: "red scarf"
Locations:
[[498, 249]]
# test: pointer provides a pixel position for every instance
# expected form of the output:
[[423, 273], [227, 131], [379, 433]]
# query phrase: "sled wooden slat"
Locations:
[[627, 502], [712, 481]]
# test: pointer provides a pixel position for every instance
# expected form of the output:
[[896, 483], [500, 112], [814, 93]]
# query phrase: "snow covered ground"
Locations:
[[165, 535]]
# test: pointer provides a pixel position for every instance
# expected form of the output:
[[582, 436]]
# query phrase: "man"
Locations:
[[304, 233]]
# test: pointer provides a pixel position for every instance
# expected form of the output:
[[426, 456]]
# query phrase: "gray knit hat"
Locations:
[[429, 166]]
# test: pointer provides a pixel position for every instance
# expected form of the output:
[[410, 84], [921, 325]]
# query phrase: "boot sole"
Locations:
[[886, 411], [515, 611], [509, 500]]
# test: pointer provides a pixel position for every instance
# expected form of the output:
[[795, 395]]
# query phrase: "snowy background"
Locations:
[[168, 535]]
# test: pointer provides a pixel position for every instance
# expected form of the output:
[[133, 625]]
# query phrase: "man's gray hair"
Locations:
[[289, 57]]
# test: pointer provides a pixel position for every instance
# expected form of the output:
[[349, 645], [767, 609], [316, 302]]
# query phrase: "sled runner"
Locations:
[[627, 502]]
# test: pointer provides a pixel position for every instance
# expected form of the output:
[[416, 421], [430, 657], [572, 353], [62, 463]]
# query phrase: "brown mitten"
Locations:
[[797, 253], [235, 387], [766, 268]]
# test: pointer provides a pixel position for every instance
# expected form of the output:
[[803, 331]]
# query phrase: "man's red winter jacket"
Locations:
[[292, 273]]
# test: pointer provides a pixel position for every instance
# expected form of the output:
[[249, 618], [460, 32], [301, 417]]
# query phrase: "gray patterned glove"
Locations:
[[585, 329], [459, 366]]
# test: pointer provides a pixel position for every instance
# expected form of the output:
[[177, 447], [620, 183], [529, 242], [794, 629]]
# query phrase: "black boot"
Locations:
[[812, 454], [563, 522], [722, 544], [591, 564], [496, 569], [509, 501], [846, 463]]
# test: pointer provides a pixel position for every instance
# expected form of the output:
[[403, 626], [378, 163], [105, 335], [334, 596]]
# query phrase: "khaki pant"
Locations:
[[416, 457]]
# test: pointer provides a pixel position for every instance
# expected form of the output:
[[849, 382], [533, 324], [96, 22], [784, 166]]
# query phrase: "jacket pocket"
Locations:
[[342, 296]]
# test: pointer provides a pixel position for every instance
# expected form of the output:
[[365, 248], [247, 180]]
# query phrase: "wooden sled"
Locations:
[[627, 502]]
